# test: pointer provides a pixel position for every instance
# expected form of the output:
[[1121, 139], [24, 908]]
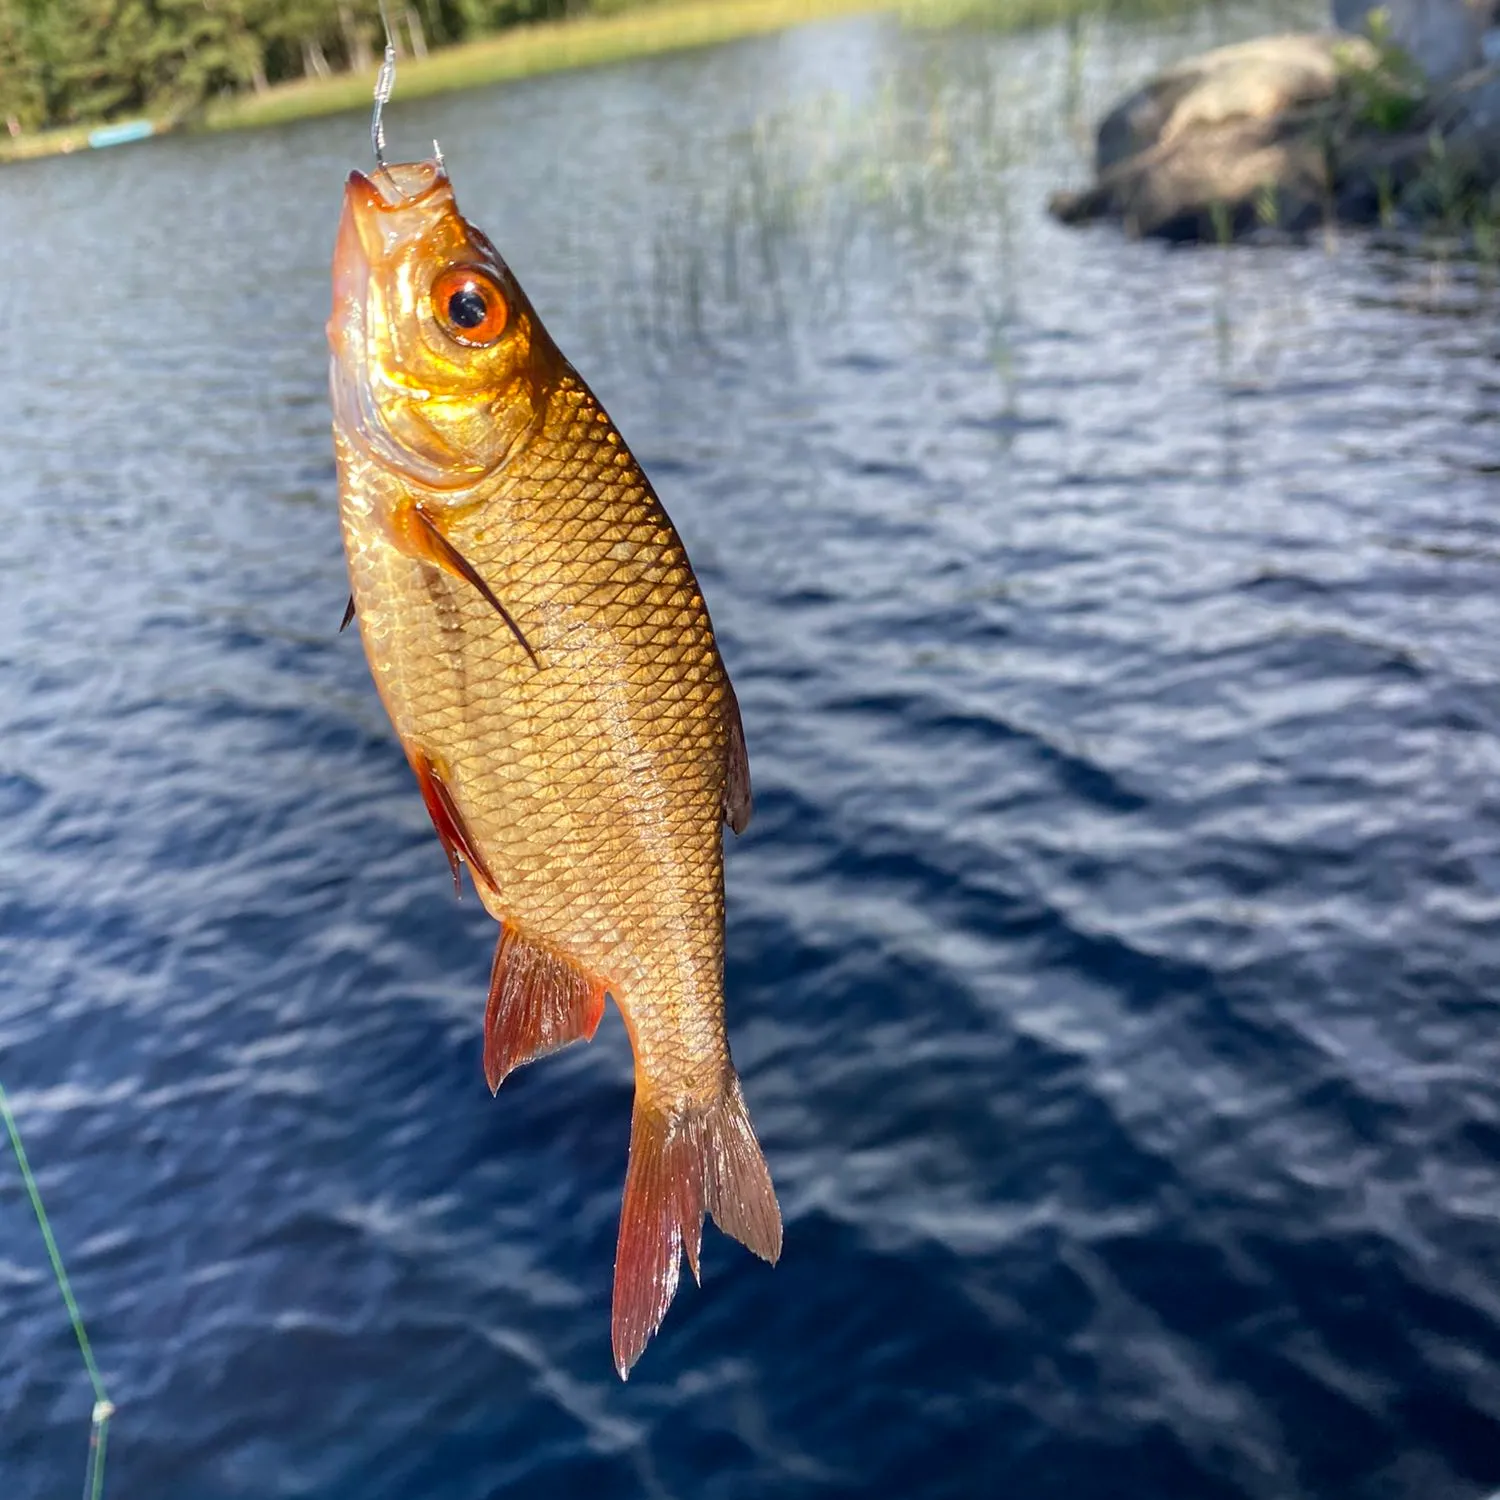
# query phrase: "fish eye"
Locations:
[[469, 306]]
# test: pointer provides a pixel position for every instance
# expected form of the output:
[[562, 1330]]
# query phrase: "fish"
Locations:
[[541, 645]]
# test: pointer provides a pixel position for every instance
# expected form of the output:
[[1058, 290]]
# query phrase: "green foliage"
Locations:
[[1384, 91], [23, 79], [1486, 229], [69, 62], [65, 61]]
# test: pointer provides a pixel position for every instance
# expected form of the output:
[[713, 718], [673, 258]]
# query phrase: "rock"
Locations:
[[1255, 80], [1286, 134], [1469, 121], [1445, 38], [1219, 180]]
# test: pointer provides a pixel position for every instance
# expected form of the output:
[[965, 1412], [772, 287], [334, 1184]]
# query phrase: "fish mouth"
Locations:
[[380, 203], [382, 212], [379, 212], [403, 183]]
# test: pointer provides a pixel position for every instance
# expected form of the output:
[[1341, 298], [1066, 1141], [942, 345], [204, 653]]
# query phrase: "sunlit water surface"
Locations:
[[1113, 960]]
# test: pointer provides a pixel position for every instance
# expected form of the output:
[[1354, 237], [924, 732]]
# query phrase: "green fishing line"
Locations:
[[93, 1483]]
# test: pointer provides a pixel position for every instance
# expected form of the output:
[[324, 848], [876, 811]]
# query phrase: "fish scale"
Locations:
[[540, 642]]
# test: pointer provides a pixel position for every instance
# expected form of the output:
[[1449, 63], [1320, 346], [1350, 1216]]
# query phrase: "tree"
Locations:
[[23, 81], [66, 61], [199, 48]]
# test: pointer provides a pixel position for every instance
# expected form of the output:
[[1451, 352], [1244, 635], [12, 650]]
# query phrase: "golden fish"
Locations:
[[540, 643]]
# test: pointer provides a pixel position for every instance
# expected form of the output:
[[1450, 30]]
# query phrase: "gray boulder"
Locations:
[[1469, 120], [1250, 81], [1293, 132], [1445, 38], [1215, 181]]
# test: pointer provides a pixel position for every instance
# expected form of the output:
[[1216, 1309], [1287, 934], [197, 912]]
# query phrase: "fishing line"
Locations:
[[385, 83], [93, 1479]]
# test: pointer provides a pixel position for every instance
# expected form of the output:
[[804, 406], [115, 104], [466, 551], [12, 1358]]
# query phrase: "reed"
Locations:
[[823, 198]]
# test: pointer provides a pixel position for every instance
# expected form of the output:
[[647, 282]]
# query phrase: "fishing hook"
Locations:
[[385, 81]]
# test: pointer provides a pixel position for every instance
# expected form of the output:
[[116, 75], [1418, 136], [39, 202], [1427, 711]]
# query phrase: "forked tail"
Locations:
[[684, 1164]]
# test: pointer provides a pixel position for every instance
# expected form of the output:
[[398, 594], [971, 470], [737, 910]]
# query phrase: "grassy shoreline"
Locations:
[[518, 53], [551, 47]]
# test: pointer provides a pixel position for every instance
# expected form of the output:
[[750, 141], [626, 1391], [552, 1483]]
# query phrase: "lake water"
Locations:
[[1114, 965]]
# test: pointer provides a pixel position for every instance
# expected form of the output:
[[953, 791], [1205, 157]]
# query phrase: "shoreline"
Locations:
[[521, 52]]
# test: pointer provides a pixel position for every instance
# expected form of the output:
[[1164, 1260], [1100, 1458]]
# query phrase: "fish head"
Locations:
[[439, 365]]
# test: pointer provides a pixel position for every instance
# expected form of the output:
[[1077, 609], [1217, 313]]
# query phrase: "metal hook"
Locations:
[[385, 81]]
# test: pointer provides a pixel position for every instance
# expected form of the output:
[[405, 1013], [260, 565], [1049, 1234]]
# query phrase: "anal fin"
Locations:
[[446, 818], [539, 1001]]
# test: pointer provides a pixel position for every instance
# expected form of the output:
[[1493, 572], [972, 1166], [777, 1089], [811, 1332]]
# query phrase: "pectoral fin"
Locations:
[[420, 534], [446, 818], [348, 615]]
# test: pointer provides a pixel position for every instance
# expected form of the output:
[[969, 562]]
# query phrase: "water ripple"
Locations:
[[1112, 960]]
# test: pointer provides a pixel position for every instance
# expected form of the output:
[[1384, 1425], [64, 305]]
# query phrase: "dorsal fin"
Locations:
[[738, 803]]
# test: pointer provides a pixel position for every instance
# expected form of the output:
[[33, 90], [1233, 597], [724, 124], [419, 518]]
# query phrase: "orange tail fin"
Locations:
[[682, 1166], [539, 1001]]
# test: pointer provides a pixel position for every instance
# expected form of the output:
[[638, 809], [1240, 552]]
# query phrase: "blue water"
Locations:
[[1113, 959]]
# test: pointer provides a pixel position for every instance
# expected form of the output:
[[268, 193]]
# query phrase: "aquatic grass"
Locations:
[[808, 198], [1458, 211], [1486, 233]]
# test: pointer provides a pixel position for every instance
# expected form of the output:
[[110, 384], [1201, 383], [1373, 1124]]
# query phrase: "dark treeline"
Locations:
[[66, 62]]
